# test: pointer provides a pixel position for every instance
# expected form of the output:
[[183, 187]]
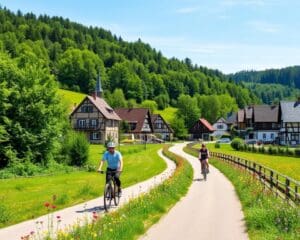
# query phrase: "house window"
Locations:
[[95, 136], [94, 122], [81, 123], [87, 109], [272, 136], [264, 136], [219, 126], [132, 126]]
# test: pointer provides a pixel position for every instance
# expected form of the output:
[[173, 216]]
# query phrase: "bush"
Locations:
[[217, 145], [270, 150], [253, 149], [289, 152], [77, 149], [280, 150], [297, 152], [236, 143]]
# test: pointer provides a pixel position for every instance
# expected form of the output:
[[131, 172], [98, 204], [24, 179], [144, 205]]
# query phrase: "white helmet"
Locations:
[[111, 145]]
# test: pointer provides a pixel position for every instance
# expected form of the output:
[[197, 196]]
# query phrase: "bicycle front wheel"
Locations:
[[107, 196], [116, 195]]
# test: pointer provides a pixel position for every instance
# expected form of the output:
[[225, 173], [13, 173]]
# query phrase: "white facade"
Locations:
[[265, 136], [220, 127]]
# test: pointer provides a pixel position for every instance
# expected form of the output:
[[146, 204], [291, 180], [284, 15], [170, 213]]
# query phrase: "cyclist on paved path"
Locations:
[[114, 163], [204, 156]]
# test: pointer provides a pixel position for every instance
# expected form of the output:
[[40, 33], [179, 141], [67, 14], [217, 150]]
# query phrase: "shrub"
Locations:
[[78, 149], [297, 152], [270, 150], [280, 150], [253, 148], [217, 145], [289, 152], [236, 143], [263, 150]]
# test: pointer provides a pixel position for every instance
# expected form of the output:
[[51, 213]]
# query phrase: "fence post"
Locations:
[[254, 170], [287, 188], [296, 194], [271, 179], [259, 172]]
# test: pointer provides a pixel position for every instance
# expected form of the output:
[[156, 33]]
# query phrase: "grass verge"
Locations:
[[134, 218], [266, 216], [23, 198], [289, 166]]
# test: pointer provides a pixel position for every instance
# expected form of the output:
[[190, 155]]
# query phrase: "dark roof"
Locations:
[[154, 117], [249, 112], [102, 106], [290, 111], [207, 124], [232, 118], [265, 113], [241, 115], [134, 115]]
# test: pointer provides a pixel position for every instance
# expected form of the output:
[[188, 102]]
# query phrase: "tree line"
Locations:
[[75, 54]]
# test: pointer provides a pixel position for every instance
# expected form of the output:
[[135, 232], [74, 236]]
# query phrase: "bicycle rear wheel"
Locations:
[[116, 195], [108, 195]]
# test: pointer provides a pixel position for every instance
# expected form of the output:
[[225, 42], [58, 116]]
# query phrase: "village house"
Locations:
[[289, 117], [139, 123], [202, 129], [94, 117], [221, 128], [161, 127], [265, 123]]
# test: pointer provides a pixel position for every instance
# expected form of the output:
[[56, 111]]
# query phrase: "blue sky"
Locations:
[[229, 35]]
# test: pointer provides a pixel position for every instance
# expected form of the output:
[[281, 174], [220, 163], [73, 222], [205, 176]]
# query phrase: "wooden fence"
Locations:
[[283, 186]]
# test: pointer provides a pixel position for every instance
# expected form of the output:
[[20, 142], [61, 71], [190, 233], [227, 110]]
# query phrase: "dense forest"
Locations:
[[272, 85], [289, 76], [75, 54]]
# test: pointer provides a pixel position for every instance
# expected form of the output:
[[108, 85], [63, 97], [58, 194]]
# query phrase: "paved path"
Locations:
[[210, 211], [80, 212]]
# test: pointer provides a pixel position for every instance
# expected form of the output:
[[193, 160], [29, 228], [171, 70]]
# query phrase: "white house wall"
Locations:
[[269, 135]]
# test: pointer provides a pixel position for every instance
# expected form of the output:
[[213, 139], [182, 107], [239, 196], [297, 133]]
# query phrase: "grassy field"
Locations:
[[71, 98], [168, 113], [289, 166], [22, 199]]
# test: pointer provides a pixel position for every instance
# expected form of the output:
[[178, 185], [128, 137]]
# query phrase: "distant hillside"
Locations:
[[74, 54], [271, 85], [289, 76]]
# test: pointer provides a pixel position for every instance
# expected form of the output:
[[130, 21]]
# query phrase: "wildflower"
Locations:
[[53, 206], [46, 204]]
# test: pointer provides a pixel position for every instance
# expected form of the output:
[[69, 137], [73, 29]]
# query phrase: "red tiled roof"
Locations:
[[207, 124], [134, 115]]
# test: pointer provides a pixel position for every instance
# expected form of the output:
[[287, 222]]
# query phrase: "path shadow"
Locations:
[[198, 180], [93, 209]]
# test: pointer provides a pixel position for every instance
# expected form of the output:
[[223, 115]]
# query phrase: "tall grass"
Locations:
[[139, 214]]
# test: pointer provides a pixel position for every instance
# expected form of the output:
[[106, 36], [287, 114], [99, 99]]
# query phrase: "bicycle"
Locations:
[[111, 190], [204, 170]]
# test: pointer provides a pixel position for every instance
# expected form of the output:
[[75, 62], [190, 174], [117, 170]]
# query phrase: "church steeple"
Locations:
[[98, 90]]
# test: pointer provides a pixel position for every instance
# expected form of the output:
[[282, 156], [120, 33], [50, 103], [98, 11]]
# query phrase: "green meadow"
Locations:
[[289, 166], [23, 198]]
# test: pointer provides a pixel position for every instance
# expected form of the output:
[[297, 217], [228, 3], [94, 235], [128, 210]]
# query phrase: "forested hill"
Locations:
[[75, 54], [289, 76]]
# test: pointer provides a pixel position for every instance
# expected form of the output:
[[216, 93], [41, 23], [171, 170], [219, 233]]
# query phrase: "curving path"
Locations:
[[211, 210], [82, 212]]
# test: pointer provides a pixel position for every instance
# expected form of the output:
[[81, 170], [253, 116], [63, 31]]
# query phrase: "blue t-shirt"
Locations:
[[113, 160]]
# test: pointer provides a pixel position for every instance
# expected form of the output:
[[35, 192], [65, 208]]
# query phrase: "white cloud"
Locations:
[[244, 2], [187, 10], [263, 26]]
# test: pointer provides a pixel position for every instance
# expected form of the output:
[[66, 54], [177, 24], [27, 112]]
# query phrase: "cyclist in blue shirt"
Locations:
[[114, 163]]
